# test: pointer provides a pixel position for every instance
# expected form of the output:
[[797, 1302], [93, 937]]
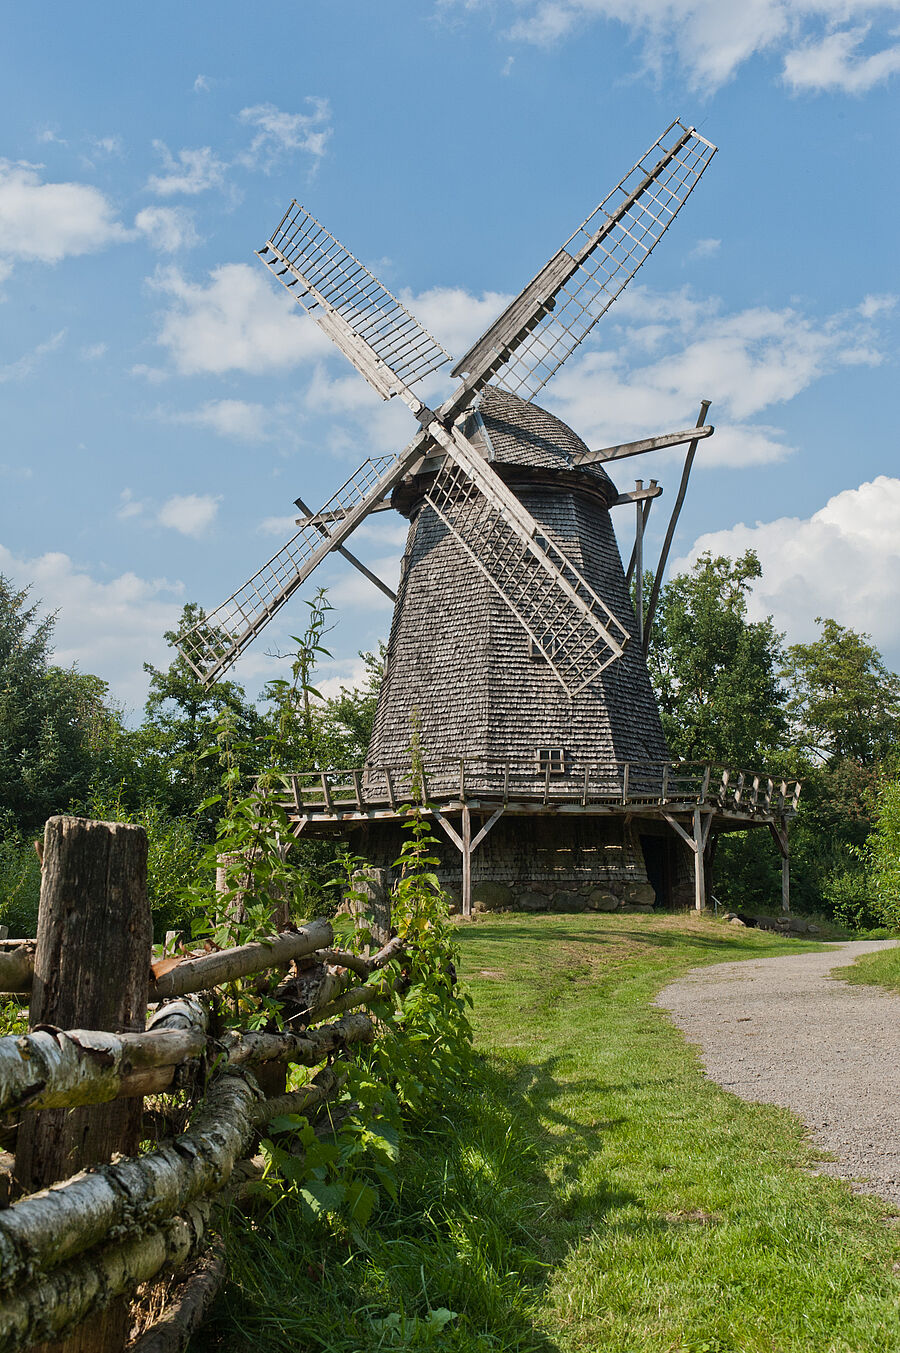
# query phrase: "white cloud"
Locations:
[[236, 322], [870, 306], [709, 41], [92, 352], [107, 145], [823, 565], [705, 248], [110, 628], [129, 506], [47, 222], [284, 527], [190, 513], [202, 84], [229, 418], [49, 137], [279, 133], [190, 172], [834, 63], [25, 365], [453, 315], [167, 228], [671, 351]]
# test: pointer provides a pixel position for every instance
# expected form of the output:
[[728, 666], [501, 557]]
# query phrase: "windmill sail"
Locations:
[[563, 616], [544, 324], [369, 325], [218, 640]]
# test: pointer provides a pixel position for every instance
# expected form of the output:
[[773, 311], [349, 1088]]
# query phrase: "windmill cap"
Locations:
[[517, 436]]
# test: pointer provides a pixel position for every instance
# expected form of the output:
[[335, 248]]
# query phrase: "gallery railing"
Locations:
[[335, 792]]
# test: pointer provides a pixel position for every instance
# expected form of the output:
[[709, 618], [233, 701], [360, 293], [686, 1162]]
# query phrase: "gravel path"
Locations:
[[784, 1031]]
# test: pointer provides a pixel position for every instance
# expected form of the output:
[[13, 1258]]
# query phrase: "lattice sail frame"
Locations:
[[565, 619], [369, 325], [530, 341], [218, 640]]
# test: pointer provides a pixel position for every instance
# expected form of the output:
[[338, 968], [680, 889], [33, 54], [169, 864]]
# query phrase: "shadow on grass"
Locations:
[[721, 943], [485, 1186]]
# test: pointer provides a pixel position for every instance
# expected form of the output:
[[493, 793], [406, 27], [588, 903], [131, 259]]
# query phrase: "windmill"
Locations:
[[539, 600]]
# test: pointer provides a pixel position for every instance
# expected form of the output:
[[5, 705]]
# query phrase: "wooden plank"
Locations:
[[638, 495], [295, 790], [699, 872], [326, 792], [685, 836], [449, 829], [642, 447], [392, 797], [466, 861], [495, 817], [673, 522], [351, 558]]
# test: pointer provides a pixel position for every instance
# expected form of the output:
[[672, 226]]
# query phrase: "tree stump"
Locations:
[[91, 971]]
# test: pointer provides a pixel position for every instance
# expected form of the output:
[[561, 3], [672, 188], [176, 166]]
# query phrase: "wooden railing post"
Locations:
[[91, 971]]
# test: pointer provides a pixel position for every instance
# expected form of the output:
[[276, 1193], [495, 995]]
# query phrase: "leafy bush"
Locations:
[[20, 885]]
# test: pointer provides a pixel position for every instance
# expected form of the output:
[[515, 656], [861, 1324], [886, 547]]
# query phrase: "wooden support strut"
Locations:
[[701, 824], [467, 844], [780, 836], [670, 530]]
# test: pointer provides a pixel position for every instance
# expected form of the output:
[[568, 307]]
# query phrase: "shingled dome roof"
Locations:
[[523, 434]]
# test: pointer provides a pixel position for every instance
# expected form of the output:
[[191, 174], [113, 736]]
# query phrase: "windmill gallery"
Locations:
[[514, 637]]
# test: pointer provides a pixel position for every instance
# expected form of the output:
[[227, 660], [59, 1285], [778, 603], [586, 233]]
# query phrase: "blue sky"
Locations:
[[164, 403]]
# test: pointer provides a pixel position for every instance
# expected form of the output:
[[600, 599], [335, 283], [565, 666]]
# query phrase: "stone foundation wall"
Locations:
[[618, 895], [553, 864]]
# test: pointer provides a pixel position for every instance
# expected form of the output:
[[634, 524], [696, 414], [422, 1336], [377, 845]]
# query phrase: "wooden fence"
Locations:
[[91, 1217]]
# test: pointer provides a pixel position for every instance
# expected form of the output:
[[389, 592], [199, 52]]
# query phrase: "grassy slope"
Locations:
[[881, 969], [594, 1193]]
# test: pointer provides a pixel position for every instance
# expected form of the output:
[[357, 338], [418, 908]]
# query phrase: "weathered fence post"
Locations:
[[372, 903], [91, 971]]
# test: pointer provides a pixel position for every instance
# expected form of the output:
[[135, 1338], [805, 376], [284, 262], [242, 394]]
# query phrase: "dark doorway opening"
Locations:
[[656, 862]]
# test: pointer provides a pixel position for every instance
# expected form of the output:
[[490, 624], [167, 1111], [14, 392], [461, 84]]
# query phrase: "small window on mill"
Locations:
[[549, 644], [552, 759]]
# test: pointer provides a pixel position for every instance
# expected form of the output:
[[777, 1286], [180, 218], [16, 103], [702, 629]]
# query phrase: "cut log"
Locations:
[[68, 1302], [46, 1229], [17, 967], [68, 1068], [211, 970], [188, 1308]]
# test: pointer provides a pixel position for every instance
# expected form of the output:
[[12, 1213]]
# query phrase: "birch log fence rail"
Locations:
[[93, 1217]]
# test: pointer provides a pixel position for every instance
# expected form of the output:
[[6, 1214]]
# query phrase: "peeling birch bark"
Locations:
[[43, 1230], [370, 991], [55, 1304], [46, 1229], [211, 970], [67, 1068], [306, 1049]]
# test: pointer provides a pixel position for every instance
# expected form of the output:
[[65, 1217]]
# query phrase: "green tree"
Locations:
[[714, 671], [181, 717], [60, 736], [844, 703], [882, 853]]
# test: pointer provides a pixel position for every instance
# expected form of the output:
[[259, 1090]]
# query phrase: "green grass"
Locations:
[[593, 1192], [881, 969]]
